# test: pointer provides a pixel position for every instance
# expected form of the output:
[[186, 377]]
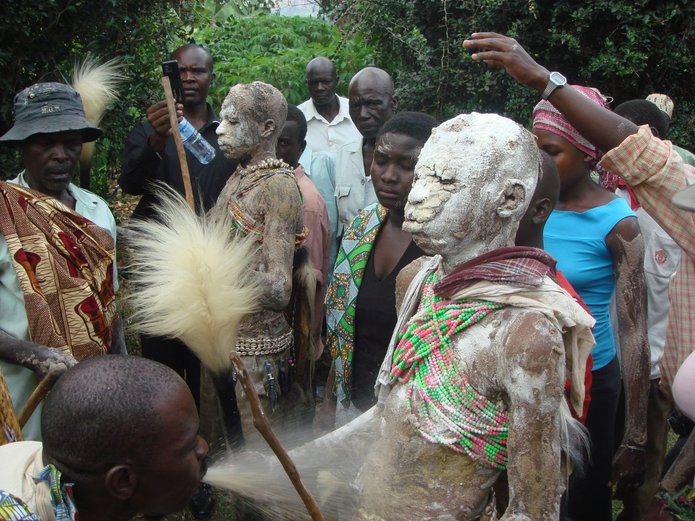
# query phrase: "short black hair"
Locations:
[[105, 409], [296, 115], [193, 45], [644, 112], [414, 124]]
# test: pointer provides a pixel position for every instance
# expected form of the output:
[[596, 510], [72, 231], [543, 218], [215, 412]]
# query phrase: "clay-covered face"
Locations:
[[395, 156], [238, 133], [471, 182], [436, 206]]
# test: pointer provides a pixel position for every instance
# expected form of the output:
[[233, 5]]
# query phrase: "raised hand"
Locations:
[[504, 52]]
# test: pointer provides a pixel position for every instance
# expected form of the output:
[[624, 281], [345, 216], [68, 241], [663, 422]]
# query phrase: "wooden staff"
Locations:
[[260, 421], [38, 394], [174, 120]]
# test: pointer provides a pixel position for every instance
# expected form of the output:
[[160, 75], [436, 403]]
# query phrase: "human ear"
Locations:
[[542, 210], [394, 102], [511, 198], [588, 159], [303, 145], [268, 128], [120, 482]]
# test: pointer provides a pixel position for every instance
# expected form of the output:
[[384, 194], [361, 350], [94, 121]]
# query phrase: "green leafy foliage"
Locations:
[[40, 41], [627, 49], [276, 49]]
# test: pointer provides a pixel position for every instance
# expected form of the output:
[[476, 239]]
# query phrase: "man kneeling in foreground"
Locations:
[[120, 436]]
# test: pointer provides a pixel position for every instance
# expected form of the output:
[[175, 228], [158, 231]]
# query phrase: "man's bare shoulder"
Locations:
[[280, 194], [406, 276], [530, 340]]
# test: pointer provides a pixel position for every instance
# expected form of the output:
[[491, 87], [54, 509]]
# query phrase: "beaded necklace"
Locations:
[[451, 411], [250, 178]]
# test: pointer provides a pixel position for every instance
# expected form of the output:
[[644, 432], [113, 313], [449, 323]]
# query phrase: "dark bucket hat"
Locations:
[[47, 108]]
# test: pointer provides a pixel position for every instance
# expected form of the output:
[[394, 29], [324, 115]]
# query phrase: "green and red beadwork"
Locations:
[[451, 412]]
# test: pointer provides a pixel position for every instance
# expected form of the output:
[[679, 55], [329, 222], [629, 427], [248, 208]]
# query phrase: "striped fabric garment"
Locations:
[[655, 172]]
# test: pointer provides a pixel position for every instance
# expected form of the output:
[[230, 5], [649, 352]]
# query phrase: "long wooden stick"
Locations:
[[37, 395], [260, 421], [174, 120]]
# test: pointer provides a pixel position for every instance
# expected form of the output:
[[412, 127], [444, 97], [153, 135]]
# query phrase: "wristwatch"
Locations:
[[556, 80]]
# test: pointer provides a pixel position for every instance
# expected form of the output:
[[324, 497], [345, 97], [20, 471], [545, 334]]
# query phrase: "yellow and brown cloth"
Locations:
[[64, 264]]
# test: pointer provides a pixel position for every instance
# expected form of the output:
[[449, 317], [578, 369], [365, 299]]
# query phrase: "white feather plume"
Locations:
[[97, 84], [191, 279]]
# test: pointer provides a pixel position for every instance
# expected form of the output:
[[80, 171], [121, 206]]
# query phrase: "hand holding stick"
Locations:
[[171, 105], [260, 421], [39, 394]]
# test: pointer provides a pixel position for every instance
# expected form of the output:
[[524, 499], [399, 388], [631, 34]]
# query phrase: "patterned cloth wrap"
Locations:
[[60, 500], [14, 509], [341, 297], [64, 264], [451, 411]]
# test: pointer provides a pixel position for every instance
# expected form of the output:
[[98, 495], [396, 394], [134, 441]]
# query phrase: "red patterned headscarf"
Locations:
[[547, 117]]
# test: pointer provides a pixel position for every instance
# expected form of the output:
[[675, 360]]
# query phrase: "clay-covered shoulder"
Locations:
[[405, 277], [281, 195], [531, 341]]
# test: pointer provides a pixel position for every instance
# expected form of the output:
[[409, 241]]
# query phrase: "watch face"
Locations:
[[557, 78]]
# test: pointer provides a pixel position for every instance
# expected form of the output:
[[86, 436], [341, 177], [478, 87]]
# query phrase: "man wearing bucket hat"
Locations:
[[57, 249]]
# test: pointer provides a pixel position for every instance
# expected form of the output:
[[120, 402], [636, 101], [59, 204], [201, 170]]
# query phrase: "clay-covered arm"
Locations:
[[531, 376], [283, 216], [627, 248], [37, 358], [118, 345], [405, 277]]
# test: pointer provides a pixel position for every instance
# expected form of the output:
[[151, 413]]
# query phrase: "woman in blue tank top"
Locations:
[[596, 240]]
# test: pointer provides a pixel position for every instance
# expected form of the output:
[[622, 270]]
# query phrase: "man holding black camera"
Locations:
[[150, 156]]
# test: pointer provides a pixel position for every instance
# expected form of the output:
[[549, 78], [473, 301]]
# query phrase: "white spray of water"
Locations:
[[328, 466]]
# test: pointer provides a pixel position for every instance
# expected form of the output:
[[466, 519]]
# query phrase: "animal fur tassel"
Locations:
[[192, 278], [97, 84]]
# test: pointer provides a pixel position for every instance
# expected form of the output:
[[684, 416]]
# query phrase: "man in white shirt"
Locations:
[[372, 103], [328, 119]]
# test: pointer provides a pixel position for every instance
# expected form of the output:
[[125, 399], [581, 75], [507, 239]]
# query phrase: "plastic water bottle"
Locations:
[[195, 143]]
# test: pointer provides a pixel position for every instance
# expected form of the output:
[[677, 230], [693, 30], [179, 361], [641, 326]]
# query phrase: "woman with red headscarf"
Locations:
[[595, 237]]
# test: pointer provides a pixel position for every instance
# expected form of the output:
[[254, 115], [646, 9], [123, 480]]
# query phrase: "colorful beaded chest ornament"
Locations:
[[424, 354]]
